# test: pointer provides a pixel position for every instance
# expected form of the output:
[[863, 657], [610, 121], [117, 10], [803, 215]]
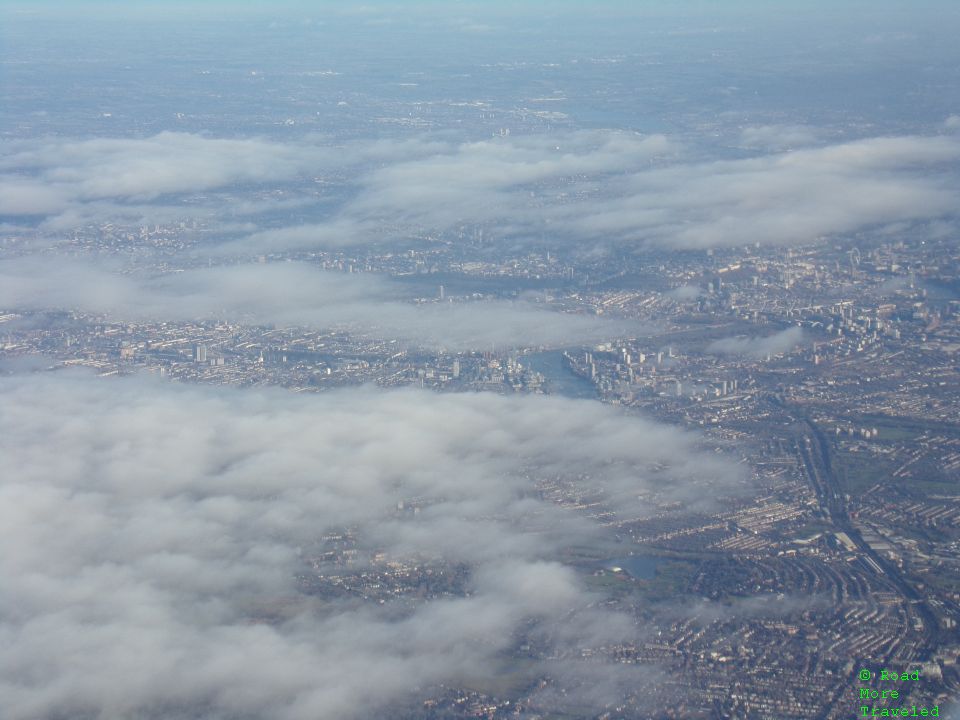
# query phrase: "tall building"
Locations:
[[200, 353]]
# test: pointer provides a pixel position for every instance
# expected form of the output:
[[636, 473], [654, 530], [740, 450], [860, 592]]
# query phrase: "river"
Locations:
[[561, 380]]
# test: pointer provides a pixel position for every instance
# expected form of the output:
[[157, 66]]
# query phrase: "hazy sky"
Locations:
[[640, 124]]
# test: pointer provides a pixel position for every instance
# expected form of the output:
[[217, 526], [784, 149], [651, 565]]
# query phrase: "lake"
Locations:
[[641, 567]]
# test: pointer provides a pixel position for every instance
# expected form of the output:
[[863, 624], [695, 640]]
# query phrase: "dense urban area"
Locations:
[[830, 370], [435, 360]]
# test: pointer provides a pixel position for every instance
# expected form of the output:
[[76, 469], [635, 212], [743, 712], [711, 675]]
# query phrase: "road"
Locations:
[[815, 452]]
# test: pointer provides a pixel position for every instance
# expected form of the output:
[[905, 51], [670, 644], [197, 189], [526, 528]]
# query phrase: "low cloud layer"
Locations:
[[165, 163], [585, 188], [642, 193], [291, 294], [759, 347], [76, 181], [152, 537], [778, 137], [783, 198]]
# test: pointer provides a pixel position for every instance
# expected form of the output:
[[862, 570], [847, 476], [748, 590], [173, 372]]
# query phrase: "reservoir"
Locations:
[[641, 567]]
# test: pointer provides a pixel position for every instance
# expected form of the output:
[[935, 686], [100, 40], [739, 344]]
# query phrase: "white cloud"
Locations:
[[759, 347], [685, 293], [101, 176], [291, 294], [165, 163], [449, 185], [786, 198], [778, 137], [151, 535], [589, 188], [28, 196], [595, 189]]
